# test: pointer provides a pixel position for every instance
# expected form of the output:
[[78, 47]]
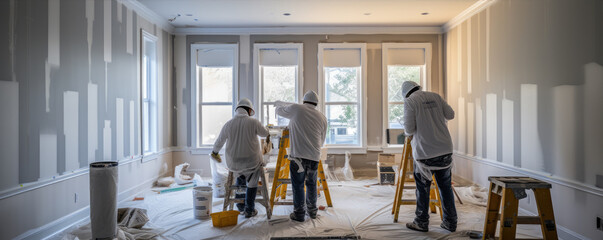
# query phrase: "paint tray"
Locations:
[[225, 218]]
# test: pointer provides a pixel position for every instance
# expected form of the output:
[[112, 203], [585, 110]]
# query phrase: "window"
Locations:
[[149, 93], [402, 62], [278, 74], [342, 79], [214, 71]]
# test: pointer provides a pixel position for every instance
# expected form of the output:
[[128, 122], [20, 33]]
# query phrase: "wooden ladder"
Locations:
[[229, 201], [278, 193], [406, 176], [509, 190]]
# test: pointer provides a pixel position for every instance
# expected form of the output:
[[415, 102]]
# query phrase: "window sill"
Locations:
[[202, 151], [393, 149], [343, 149]]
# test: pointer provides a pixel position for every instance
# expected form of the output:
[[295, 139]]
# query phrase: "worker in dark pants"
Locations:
[[425, 117], [307, 133]]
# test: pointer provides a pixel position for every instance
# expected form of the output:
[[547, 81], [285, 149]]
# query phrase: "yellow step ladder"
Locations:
[[262, 191], [407, 176], [278, 192], [506, 192]]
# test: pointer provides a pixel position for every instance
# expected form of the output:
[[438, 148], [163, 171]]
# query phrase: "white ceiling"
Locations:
[[307, 13]]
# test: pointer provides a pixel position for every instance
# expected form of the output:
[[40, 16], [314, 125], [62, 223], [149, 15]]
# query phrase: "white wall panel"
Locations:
[[9, 127], [491, 127], [71, 129]]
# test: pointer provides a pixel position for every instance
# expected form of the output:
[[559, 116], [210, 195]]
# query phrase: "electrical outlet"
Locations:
[[75, 198], [599, 223]]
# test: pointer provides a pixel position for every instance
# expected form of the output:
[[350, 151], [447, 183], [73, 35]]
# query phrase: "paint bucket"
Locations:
[[202, 202], [103, 200]]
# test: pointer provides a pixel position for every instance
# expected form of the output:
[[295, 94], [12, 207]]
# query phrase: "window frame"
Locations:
[[196, 96], [362, 99], [152, 92], [259, 88], [425, 84]]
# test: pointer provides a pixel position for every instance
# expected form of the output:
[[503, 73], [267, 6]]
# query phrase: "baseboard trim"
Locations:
[[562, 232], [536, 174]]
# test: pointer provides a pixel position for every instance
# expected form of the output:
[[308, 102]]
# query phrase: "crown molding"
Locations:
[[308, 30], [148, 14], [466, 14]]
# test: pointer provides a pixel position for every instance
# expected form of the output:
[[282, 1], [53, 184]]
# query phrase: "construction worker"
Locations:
[[425, 117], [243, 153], [307, 132]]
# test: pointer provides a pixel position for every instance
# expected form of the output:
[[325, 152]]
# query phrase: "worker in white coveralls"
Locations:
[[425, 117], [243, 156], [307, 132]]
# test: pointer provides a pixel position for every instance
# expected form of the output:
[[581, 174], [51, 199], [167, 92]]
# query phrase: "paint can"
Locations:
[[103, 200], [202, 202]]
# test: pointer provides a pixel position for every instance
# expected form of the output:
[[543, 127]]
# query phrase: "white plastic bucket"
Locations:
[[202, 202]]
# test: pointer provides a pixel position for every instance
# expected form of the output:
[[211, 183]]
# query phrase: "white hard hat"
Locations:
[[246, 103], [408, 86], [311, 96]]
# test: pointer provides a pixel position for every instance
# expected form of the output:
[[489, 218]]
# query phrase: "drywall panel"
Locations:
[[119, 128], [48, 156], [531, 147], [565, 116], [9, 127], [462, 129], [479, 129], [182, 109], [471, 128], [508, 129], [107, 141], [70, 129], [107, 30], [54, 31], [89, 31], [593, 117], [469, 62], [92, 121], [129, 31], [132, 151], [491, 127]]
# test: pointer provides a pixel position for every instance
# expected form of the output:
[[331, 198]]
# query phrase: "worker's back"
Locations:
[[308, 128], [425, 117]]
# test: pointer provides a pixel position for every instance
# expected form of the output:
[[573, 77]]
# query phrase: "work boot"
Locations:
[[312, 214], [251, 214], [416, 227], [448, 227], [295, 218], [241, 207]]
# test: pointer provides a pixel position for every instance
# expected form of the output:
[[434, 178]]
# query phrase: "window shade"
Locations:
[[278, 57], [345, 57], [215, 58], [406, 56]]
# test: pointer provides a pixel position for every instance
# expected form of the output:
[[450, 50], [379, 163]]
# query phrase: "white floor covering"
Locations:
[[360, 208]]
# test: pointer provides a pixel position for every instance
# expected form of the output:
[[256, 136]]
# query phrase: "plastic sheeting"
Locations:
[[103, 199], [361, 208]]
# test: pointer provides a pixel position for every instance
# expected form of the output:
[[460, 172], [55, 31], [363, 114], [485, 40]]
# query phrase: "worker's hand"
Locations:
[[216, 156]]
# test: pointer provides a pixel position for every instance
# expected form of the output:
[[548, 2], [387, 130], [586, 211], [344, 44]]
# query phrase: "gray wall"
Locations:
[[73, 64], [310, 47], [525, 78]]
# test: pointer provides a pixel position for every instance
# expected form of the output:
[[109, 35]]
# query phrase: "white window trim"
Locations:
[[149, 156], [193, 79], [256, 72], [362, 100], [426, 85]]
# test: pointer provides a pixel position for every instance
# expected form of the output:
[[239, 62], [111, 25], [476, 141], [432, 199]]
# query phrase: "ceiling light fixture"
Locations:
[[286, 14], [425, 13]]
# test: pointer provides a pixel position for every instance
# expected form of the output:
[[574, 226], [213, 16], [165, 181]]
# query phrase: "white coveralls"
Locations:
[[243, 152], [431, 137]]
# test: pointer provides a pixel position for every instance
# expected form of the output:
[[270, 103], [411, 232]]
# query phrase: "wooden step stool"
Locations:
[[406, 176], [510, 190], [278, 193], [262, 191]]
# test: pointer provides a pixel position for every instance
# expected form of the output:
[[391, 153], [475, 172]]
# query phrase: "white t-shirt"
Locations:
[[307, 129], [425, 117]]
